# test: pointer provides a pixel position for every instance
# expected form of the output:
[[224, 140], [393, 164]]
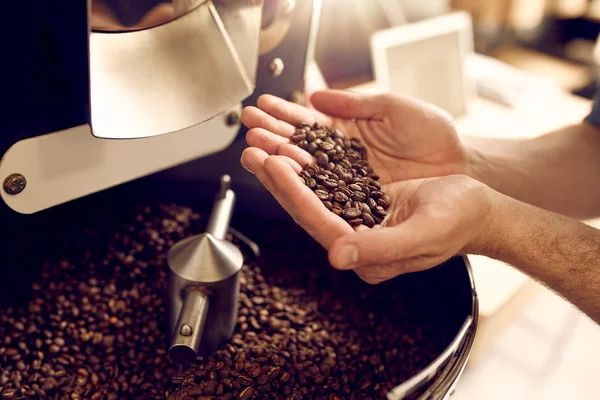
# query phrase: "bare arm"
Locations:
[[562, 253], [559, 171]]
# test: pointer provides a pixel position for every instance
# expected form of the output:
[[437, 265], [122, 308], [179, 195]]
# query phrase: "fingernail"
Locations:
[[246, 167], [348, 256]]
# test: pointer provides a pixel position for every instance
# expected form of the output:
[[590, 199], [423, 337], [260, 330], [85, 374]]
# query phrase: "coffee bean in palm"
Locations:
[[367, 219], [322, 194], [382, 203], [322, 160], [365, 208], [359, 196], [372, 203], [321, 177], [298, 137], [330, 184], [351, 213], [327, 146], [377, 195], [340, 196], [312, 147], [380, 212], [355, 222]]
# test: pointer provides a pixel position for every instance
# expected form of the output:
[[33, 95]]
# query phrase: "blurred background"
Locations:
[[529, 67]]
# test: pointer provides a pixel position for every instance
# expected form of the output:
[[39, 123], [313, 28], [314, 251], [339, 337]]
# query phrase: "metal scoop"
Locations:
[[204, 285]]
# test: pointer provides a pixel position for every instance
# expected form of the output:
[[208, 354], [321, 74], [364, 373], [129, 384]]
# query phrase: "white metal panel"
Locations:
[[69, 164]]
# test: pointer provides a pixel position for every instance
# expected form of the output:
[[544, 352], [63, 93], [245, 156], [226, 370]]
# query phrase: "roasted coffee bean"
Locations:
[[346, 190], [322, 194], [321, 177], [346, 177], [311, 136], [379, 211], [246, 394], [340, 196], [330, 184], [365, 208], [351, 213], [331, 153], [355, 187], [359, 196], [355, 222], [372, 203], [327, 146], [312, 147], [303, 144], [322, 160], [298, 137], [377, 195], [328, 205], [382, 203], [367, 219]]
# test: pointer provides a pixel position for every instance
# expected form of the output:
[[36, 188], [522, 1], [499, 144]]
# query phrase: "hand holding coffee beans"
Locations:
[[342, 178]]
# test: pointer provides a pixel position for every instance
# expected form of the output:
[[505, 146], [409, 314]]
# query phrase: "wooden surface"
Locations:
[[504, 291]]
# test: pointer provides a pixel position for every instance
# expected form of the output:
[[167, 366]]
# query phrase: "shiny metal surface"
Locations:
[[276, 23], [131, 15], [417, 381], [221, 216], [189, 328], [204, 258], [210, 265], [176, 75]]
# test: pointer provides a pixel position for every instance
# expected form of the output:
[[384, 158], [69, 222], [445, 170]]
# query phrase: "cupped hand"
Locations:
[[406, 138], [430, 219]]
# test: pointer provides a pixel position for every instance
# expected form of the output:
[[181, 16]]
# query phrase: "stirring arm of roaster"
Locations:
[[218, 225], [192, 317]]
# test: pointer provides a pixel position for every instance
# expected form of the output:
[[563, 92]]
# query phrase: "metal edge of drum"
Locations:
[[447, 368]]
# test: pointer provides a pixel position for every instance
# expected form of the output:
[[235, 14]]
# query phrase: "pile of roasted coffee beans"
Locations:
[[342, 177], [94, 323]]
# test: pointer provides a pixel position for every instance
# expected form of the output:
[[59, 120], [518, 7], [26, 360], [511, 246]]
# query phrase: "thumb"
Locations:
[[382, 246], [347, 104]]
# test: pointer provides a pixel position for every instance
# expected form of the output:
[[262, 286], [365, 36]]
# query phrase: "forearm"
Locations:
[[559, 171], [562, 253]]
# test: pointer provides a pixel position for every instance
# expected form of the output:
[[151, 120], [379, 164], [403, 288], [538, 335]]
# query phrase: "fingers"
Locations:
[[274, 144], [279, 175], [291, 113], [253, 117], [375, 274], [347, 104], [381, 246]]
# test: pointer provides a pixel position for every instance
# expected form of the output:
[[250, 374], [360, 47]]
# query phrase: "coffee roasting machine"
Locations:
[[105, 92]]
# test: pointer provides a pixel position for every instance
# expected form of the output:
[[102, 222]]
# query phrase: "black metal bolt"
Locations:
[[233, 118], [14, 184]]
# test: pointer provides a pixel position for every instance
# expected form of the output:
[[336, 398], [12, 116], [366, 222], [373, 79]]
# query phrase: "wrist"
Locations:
[[475, 160], [487, 237]]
